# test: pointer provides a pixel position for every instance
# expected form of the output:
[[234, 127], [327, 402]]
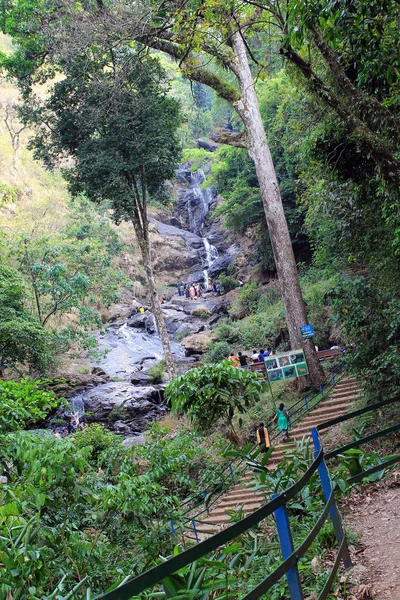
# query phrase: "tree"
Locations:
[[111, 113], [212, 392], [195, 35], [23, 340]]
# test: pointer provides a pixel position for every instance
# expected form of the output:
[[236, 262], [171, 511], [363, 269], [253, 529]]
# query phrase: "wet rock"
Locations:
[[124, 408], [207, 144], [98, 371], [134, 440], [196, 344], [144, 321]]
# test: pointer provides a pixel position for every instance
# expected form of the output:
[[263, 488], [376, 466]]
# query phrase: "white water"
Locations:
[[203, 198], [211, 255]]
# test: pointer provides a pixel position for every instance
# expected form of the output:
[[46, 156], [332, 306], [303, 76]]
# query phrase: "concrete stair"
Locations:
[[240, 496]]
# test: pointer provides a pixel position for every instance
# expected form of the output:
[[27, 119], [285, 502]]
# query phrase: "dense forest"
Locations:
[[250, 149]]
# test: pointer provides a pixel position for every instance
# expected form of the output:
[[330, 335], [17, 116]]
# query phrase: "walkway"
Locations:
[[337, 404], [374, 514]]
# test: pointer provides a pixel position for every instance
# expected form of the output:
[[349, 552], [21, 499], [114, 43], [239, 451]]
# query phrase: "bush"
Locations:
[[156, 372], [248, 297], [228, 282], [227, 332], [217, 352], [97, 439], [24, 403]]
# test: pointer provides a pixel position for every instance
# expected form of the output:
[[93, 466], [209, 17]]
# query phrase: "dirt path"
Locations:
[[375, 517]]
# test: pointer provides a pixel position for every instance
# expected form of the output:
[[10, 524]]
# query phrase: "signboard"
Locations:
[[307, 331], [286, 365]]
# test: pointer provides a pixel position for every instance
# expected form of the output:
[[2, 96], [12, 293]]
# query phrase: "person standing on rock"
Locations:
[[187, 291], [141, 310], [192, 292], [282, 416], [263, 438]]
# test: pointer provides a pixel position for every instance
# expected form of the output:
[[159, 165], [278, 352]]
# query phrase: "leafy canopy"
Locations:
[[211, 392]]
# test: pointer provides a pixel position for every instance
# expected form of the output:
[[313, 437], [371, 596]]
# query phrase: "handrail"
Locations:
[[305, 407], [275, 506], [363, 440]]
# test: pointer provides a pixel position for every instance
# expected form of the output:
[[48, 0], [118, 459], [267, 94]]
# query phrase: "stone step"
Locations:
[[232, 503]]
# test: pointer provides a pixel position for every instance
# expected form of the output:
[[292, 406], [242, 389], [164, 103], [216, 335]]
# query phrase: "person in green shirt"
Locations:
[[282, 416]]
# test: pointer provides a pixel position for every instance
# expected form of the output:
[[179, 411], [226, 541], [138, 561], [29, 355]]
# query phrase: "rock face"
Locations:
[[196, 344], [124, 408]]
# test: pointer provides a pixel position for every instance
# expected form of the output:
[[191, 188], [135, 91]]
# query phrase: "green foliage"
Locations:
[[157, 372], [227, 282], [23, 339], [24, 403], [211, 392], [98, 440], [247, 298], [370, 320], [216, 352]]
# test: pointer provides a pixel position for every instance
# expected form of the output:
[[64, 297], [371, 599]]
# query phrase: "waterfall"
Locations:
[[211, 255], [77, 405], [198, 206]]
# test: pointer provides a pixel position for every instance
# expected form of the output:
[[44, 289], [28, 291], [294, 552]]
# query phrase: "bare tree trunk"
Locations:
[[248, 109], [144, 244]]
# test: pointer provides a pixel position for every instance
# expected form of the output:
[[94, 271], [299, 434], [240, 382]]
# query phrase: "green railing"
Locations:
[[290, 555], [368, 438], [207, 497]]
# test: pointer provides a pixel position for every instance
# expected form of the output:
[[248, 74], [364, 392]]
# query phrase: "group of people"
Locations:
[[193, 290], [283, 421], [242, 360], [74, 424]]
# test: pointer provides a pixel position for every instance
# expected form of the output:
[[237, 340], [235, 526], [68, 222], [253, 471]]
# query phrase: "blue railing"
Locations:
[[207, 497], [291, 556]]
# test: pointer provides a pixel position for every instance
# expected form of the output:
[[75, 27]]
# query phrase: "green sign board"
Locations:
[[286, 365]]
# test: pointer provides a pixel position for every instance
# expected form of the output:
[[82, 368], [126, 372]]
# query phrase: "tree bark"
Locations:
[[249, 111], [141, 230]]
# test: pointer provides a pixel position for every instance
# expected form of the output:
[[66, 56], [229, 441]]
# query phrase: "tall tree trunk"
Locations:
[[286, 267], [144, 244]]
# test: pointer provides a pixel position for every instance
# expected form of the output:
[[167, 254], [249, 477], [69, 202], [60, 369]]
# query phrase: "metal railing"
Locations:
[[231, 474], [291, 556], [368, 438]]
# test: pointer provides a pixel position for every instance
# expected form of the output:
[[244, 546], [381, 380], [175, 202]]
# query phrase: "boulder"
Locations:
[[144, 321], [124, 408], [197, 343]]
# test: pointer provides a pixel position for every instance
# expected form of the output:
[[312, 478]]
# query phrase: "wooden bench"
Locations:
[[328, 354]]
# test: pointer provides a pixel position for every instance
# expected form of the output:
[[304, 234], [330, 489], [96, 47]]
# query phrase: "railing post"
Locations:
[[327, 489], [205, 498], [171, 522], [333, 377], [231, 472], [306, 403], [321, 389], [195, 531], [286, 543]]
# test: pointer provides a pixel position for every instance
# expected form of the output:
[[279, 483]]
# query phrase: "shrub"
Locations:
[[97, 439], [228, 282], [248, 297], [156, 372], [227, 332], [24, 403], [217, 352]]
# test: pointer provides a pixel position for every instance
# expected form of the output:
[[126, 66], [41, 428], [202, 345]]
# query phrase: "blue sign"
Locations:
[[307, 331]]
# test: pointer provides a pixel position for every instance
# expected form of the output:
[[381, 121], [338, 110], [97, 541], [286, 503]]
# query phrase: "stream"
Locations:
[[128, 400]]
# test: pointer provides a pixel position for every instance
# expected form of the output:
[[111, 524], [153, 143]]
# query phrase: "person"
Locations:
[[74, 421], [65, 432], [187, 291], [262, 355], [141, 310], [241, 283], [254, 356], [192, 292], [219, 289], [242, 359], [82, 426], [234, 359], [282, 416], [56, 434], [179, 290], [214, 286], [263, 438]]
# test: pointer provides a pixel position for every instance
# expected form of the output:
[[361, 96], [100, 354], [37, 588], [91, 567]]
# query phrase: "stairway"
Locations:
[[336, 404]]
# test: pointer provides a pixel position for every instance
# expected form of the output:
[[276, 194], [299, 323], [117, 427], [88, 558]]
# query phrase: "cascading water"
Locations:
[[198, 205]]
